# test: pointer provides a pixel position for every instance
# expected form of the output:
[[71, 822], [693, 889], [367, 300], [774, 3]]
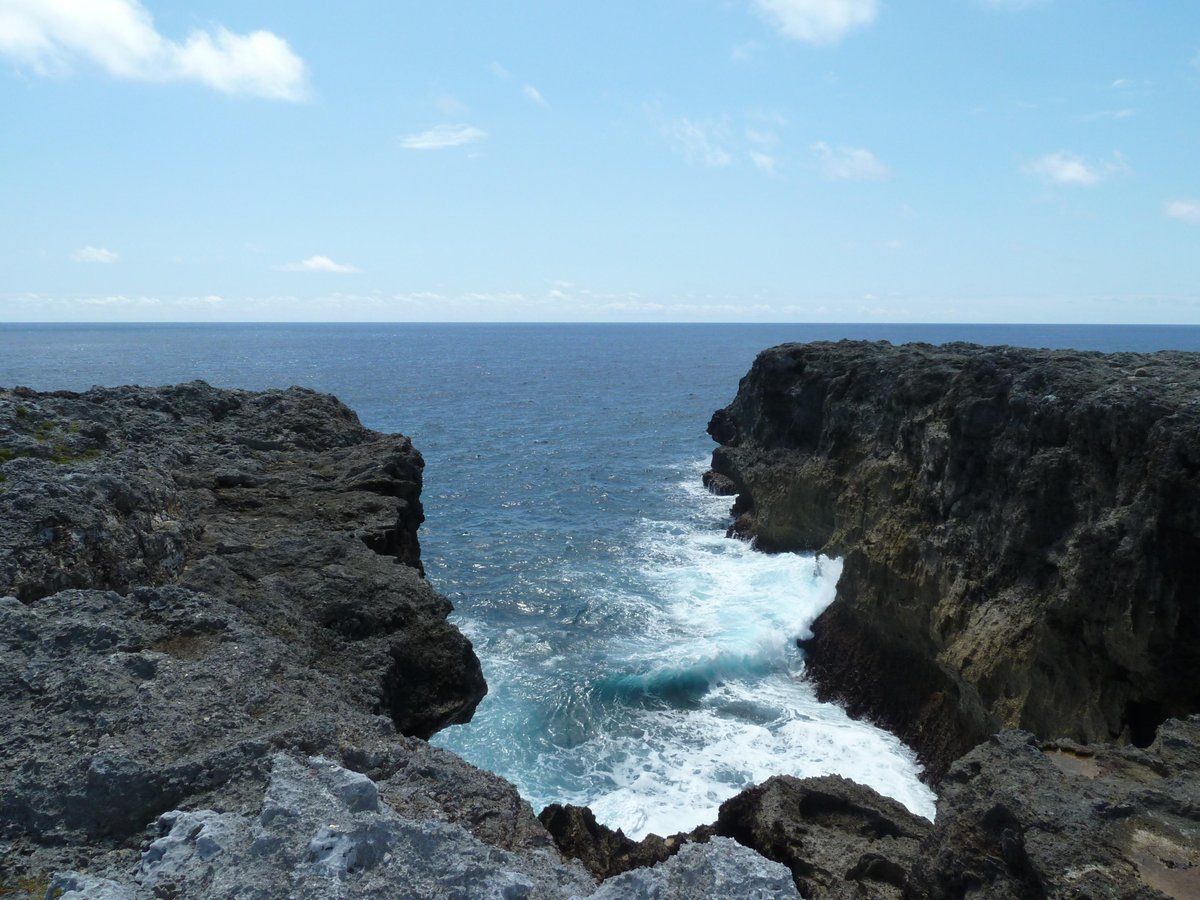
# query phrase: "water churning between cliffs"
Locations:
[[670, 679], [638, 661]]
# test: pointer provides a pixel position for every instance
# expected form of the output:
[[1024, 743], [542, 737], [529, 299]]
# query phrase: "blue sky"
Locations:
[[677, 160]]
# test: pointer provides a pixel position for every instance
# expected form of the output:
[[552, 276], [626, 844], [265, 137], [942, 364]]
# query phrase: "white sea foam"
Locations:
[[730, 618], [676, 681]]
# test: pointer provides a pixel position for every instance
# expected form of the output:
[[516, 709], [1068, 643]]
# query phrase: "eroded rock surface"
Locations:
[[1020, 531], [323, 831], [838, 838], [279, 502], [1016, 820], [198, 579]]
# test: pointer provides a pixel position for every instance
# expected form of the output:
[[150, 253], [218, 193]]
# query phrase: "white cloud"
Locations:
[[442, 136], [91, 254], [1183, 210], [1067, 168], [534, 94], [1110, 114], [50, 36], [818, 21], [699, 142], [849, 163], [318, 264]]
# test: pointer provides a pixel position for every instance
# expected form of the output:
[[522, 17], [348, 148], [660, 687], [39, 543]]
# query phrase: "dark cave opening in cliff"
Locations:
[[1143, 718]]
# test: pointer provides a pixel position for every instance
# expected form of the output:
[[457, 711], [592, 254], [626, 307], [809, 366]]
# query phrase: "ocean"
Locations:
[[638, 661]]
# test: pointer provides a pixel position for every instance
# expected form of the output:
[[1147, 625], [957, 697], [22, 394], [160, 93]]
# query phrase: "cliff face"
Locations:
[[199, 578], [1020, 531], [280, 503]]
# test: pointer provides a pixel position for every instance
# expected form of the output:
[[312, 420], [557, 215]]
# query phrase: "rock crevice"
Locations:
[[1019, 529]]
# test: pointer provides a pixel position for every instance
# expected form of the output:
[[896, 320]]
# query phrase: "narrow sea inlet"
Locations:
[[638, 661], [655, 678]]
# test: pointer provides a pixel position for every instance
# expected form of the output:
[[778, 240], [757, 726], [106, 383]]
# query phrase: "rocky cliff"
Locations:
[[1020, 531], [219, 659]]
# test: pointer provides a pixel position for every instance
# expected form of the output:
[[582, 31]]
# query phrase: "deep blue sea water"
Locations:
[[637, 660]]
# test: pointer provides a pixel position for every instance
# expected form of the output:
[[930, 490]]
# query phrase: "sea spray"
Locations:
[[671, 680]]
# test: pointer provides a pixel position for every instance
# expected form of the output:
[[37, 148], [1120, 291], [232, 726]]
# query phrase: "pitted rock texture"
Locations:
[[603, 851], [1020, 531], [720, 868], [323, 831], [118, 708], [1017, 820], [200, 578], [838, 838], [278, 502]]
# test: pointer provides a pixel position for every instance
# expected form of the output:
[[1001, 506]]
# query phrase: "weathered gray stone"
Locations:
[[1019, 531], [75, 886], [721, 868], [200, 578], [315, 839]]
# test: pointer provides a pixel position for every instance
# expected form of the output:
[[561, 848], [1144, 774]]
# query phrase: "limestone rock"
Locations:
[[838, 838], [1019, 531], [1018, 820], [603, 851], [278, 502], [720, 868]]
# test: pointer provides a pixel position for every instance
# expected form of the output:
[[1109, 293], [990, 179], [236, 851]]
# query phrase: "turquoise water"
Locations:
[[637, 660]]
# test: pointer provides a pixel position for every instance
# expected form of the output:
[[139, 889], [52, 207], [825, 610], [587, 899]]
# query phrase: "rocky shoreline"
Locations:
[[220, 659]]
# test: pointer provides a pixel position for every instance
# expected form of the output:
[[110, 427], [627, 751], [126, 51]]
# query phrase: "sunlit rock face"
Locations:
[[1020, 531]]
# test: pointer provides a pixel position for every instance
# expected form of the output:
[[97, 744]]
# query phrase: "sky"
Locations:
[[659, 160]]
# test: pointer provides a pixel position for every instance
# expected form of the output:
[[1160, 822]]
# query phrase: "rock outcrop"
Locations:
[[219, 657], [1020, 532], [1017, 819], [198, 580]]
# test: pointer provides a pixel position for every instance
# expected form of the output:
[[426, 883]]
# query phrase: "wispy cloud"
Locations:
[[1111, 114], [1069, 169], [817, 21], [442, 136], [849, 163], [1012, 5], [119, 36], [533, 94], [91, 254], [318, 264], [1183, 210], [702, 143]]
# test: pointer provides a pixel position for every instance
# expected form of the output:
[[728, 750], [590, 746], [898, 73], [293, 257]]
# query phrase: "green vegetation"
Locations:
[[36, 886], [63, 455]]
